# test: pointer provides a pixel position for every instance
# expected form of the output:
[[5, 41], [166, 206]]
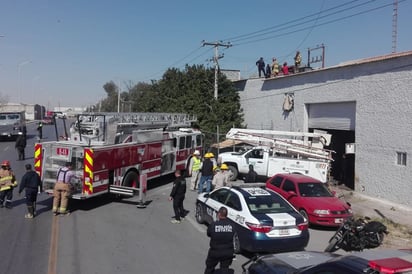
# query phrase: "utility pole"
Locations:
[[394, 26], [215, 59]]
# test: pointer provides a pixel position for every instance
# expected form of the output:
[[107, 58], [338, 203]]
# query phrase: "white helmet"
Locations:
[[197, 152]]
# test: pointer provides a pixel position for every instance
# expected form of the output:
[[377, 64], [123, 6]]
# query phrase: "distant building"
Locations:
[[232, 75], [33, 112]]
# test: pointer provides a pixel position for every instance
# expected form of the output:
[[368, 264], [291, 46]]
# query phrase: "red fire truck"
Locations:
[[118, 152]]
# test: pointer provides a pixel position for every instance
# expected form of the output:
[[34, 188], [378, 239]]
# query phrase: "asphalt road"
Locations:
[[104, 235]]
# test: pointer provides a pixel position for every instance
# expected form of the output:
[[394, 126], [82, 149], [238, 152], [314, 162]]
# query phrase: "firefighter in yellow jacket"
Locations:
[[7, 183]]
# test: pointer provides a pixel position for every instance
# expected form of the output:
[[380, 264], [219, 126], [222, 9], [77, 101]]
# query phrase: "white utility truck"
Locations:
[[280, 152]]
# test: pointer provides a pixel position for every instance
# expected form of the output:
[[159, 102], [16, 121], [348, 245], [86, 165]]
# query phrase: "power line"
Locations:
[[308, 21], [318, 25]]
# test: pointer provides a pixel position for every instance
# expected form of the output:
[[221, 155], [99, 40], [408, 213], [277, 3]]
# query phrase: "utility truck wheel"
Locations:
[[233, 173]]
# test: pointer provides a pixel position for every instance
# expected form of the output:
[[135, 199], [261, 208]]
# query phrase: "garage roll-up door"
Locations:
[[340, 116]]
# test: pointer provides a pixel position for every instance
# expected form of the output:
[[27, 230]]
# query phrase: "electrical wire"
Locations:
[[306, 28]]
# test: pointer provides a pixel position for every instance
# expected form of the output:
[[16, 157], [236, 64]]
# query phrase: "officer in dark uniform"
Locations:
[[221, 243], [177, 196], [32, 183]]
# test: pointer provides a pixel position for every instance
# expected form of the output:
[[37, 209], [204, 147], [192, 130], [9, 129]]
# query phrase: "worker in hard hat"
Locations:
[[220, 178], [194, 169], [7, 183], [207, 173]]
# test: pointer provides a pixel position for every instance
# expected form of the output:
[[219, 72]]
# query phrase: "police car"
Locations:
[[310, 262], [263, 220]]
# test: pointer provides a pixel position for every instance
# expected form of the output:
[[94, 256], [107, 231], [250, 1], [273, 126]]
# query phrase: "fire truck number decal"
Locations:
[[322, 166], [62, 151]]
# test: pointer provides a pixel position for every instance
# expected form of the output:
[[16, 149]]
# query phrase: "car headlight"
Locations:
[[321, 211]]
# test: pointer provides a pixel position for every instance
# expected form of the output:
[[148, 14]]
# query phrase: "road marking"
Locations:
[[53, 246]]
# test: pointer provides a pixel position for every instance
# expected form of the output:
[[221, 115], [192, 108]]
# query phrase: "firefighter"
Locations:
[[62, 190], [194, 169], [7, 183], [298, 61], [32, 183], [207, 173], [221, 248], [220, 178]]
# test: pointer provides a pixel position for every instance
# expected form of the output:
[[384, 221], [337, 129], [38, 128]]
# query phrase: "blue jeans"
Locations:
[[208, 181]]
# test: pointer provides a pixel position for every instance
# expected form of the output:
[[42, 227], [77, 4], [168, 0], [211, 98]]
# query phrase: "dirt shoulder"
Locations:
[[397, 218]]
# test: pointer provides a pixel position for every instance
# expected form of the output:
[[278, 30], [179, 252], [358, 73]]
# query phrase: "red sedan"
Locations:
[[311, 198]]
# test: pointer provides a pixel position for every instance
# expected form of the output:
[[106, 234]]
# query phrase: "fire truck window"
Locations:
[[189, 141], [182, 142], [198, 140]]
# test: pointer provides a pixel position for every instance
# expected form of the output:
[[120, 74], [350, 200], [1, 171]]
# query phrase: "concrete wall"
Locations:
[[382, 91]]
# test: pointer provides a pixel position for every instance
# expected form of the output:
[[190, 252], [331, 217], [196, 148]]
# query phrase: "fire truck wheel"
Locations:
[[131, 179]]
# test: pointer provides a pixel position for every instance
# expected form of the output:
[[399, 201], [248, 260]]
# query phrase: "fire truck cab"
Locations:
[[118, 152]]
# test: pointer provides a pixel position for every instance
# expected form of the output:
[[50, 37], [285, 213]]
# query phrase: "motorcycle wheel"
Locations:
[[333, 245]]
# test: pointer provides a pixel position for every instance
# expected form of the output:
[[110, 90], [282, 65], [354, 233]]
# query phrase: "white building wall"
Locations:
[[382, 91]]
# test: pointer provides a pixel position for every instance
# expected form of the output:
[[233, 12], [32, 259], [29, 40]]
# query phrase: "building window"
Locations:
[[401, 158]]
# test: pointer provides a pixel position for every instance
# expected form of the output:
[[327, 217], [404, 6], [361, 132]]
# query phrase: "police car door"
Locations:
[[215, 201], [234, 208]]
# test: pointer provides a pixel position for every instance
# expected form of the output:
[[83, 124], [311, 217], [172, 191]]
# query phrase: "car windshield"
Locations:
[[268, 204], [314, 190]]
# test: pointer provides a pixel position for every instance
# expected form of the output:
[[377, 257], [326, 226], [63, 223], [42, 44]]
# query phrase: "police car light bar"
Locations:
[[391, 265]]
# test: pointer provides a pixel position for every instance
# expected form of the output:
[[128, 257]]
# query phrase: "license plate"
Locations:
[[283, 232], [338, 220]]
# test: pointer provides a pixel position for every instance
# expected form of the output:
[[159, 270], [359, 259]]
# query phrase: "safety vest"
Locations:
[[7, 180], [196, 164]]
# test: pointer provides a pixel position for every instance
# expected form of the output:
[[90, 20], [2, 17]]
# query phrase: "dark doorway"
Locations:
[[343, 166]]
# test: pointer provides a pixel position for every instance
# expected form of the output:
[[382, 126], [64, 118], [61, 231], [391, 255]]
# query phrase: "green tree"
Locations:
[[188, 91]]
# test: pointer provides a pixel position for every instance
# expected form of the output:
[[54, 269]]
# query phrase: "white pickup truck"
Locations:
[[266, 163]]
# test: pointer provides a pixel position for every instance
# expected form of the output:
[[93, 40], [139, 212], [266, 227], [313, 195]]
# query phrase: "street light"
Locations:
[[19, 76]]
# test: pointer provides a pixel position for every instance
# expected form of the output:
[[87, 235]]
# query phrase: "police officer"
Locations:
[[62, 189], [21, 145], [221, 243], [177, 195], [7, 183], [32, 183]]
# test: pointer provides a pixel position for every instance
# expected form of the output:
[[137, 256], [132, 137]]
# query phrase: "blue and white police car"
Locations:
[[264, 221]]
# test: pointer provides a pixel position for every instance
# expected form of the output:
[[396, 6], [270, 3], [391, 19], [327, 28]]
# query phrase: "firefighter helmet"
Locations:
[[209, 155], [224, 166], [5, 163]]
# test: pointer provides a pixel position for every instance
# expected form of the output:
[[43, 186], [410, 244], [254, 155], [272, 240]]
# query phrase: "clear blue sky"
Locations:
[[63, 52]]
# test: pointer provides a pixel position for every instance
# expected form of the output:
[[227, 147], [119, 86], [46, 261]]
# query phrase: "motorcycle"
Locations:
[[357, 234]]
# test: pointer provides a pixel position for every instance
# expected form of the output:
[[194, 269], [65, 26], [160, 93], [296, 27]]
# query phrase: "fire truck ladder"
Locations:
[[291, 143], [105, 126]]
